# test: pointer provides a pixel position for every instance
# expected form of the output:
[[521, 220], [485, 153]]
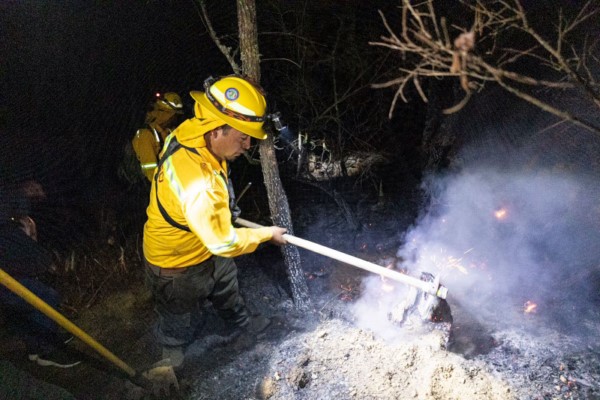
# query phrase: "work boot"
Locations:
[[175, 354], [257, 325], [247, 335]]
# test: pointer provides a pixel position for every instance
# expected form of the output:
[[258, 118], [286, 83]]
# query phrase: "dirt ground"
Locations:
[[328, 353], [325, 354]]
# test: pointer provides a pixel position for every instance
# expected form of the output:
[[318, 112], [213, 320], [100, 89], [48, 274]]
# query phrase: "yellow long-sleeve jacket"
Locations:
[[192, 189], [147, 141], [146, 146]]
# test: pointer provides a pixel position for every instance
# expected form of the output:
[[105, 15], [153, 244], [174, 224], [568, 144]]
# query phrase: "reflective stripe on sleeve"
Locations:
[[173, 179], [221, 247], [149, 165]]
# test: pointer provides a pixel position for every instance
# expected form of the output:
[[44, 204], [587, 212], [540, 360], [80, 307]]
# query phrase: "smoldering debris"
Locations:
[[506, 243], [502, 239]]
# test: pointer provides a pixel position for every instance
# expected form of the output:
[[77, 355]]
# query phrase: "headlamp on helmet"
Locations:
[[284, 132], [169, 102]]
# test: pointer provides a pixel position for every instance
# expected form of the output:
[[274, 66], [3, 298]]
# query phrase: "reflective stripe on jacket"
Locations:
[[193, 190], [147, 142]]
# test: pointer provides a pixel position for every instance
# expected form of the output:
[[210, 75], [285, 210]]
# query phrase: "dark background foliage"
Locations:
[[77, 77]]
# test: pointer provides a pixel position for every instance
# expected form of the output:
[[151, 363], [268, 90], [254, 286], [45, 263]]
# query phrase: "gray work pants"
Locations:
[[179, 296]]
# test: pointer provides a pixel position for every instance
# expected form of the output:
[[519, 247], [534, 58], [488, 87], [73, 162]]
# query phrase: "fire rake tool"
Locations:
[[433, 288], [159, 378]]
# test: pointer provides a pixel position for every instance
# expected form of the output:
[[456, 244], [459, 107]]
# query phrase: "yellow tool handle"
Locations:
[[433, 288], [57, 317]]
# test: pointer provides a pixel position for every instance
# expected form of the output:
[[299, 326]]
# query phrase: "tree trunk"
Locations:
[[437, 140], [278, 203]]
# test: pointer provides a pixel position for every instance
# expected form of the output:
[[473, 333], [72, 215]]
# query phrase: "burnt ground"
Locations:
[[325, 354]]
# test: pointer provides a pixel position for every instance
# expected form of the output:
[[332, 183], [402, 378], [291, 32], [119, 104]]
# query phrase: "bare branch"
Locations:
[[282, 59], [433, 19], [471, 54], [419, 89], [459, 106], [227, 51], [566, 116]]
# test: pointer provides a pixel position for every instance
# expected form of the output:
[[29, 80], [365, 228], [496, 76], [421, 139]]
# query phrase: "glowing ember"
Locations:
[[501, 213], [346, 294], [455, 263], [529, 307], [442, 260], [346, 288], [346, 297]]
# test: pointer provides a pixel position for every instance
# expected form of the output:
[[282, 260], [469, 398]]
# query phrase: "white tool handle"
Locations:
[[433, 288]]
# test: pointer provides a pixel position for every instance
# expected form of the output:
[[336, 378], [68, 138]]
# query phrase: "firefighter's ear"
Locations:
[[214, 134], [217, 132]]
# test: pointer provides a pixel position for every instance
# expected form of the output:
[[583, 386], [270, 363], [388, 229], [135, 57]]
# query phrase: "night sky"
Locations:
[[77, 77]]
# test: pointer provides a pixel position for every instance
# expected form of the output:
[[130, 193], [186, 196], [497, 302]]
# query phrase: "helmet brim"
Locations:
[[254, 129]]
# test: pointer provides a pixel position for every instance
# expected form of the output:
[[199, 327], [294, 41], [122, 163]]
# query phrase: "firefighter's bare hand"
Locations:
[[278, 233]]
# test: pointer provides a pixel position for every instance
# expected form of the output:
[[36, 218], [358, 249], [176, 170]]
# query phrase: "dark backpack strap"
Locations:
[[173, 146]]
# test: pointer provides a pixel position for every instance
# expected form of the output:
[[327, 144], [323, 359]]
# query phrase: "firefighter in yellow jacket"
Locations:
[[189, 239], [148, 141]]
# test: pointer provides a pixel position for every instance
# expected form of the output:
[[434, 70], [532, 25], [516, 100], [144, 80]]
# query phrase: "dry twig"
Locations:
[[476, 56], [227, 51]]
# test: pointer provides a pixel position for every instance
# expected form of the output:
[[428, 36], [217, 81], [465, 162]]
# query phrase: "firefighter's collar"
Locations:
[[191, 134]]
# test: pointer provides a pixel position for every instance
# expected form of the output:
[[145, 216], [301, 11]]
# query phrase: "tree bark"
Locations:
[[278, 203]]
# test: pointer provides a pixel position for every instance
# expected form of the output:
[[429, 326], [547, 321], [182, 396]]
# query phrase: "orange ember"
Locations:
[[529, 307], [501, 213], [443, 260]]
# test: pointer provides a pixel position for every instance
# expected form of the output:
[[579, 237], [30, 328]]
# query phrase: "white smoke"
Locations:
[[498, 239], [373, 308], [513, 236], [517, 220]]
